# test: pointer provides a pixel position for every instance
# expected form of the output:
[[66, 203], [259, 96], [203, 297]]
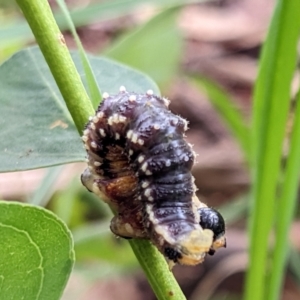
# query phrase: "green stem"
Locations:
[[51, 42], [93, 88], [157, 271]]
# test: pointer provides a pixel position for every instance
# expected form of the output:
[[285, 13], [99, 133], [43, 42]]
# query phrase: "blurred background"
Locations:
[[218, 44]]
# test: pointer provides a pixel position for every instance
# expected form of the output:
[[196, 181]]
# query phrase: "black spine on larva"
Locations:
[[148, 142]]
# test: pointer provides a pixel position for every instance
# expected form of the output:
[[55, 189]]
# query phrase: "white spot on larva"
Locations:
[[122, 119], [195, 154], [144, 167], [195, 188], [168, 163], [134, 138], [149, 93], [185, 122], [116, 118], [145, 184], [84, 138], [140, 142], [149, 209], [110, 120], [91, 168], [117, 136], [148, 172], [156, 126], [90, 118], [150, 198], [139, 198], [105, 95], [132, 98], [141, 158], [122, 89], [186, 158], [166, 101], [129, 134], [174, 122], [95, 119], [93, 144], [97, 163], [100, 114], [93, 126], [102, 132], [147, 192], [86, 132]]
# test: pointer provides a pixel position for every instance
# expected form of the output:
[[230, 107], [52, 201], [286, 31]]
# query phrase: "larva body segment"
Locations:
[[139, 162]]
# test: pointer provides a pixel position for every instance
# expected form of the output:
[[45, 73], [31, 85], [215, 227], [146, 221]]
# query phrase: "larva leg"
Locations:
[[118, 189], [127, 227]]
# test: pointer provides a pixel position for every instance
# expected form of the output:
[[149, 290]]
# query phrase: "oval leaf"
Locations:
[[37, 253], [154, 48], [36, 127]]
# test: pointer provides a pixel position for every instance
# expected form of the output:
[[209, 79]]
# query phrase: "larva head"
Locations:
[[191, 248], [213, 220]]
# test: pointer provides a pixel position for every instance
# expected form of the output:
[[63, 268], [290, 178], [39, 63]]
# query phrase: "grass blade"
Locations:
[[271, 104], [229, 113], [235, 210], [44, 192], [286, 210], [142, 48], [94, 90], [294, 263]]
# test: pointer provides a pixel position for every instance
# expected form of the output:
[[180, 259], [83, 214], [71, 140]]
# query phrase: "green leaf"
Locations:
[[154, 48], [36, 127], [37, 253]]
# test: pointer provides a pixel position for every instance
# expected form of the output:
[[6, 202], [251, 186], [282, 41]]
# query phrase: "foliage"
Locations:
[[39, 116], [37, 252]]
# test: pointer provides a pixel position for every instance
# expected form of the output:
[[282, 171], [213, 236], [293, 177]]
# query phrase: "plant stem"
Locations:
[[93, 88], [157, 271], [56, 53], [51, 42]]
